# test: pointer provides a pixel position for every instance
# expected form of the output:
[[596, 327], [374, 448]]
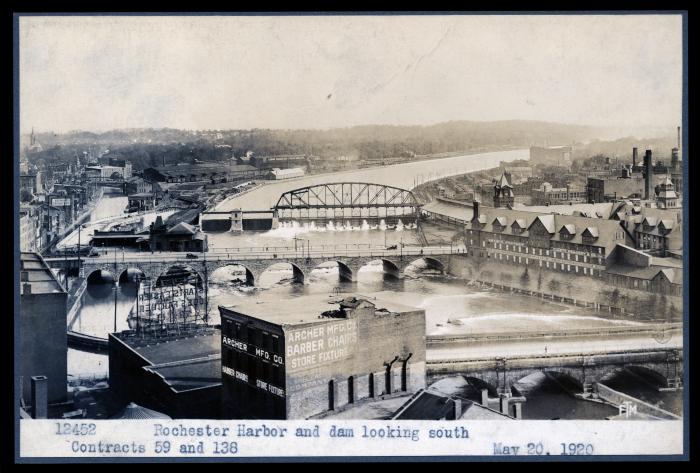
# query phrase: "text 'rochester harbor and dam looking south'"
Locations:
[[189, 274]]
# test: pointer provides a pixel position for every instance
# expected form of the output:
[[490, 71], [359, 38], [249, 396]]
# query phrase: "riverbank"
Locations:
[[573, 289]]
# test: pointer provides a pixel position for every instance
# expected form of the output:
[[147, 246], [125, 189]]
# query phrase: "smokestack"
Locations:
[[647, 175], [678, 140], [163, 160], [39, 397], [634, 157], [475, 215], [674, 158]]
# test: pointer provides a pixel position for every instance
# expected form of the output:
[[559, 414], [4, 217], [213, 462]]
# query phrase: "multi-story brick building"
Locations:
[[305, 357], [567, 243]]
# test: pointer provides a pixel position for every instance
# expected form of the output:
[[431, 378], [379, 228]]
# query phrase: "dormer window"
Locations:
[[499, 224], [589, 235], [518, 226], [567, 232]]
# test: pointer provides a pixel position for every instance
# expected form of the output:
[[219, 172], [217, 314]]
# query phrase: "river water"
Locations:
[[451, 306]]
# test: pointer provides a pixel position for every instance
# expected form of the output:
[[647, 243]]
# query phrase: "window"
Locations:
[[351, 389]]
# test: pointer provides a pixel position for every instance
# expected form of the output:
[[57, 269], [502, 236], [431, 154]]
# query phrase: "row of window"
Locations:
[[566, 255], [545, 242], [372, 386], [572, 268], [254, 336], [255, 367]]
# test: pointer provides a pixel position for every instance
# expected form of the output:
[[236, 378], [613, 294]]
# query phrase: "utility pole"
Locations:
[[116, 286], [79, 228]]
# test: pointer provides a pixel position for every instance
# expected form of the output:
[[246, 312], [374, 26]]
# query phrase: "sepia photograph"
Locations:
[[445, 235]]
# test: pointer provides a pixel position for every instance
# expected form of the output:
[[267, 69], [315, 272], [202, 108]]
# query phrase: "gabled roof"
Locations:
[[591, 231], [674, 276], [182, 228], [650, 221], [568, 228], [666, 223], [503, 181], [520, 222], [501, 221], [547, 221]]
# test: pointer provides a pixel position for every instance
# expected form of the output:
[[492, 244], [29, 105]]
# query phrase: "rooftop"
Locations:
[[39, 275], [308, 309], [191, 345], [431, 404]]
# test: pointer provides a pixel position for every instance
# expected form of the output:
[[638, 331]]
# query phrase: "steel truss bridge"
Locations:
[[347, 200]]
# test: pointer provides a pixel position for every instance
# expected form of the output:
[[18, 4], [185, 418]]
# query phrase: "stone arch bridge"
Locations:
[[663, 365], [394, 262]]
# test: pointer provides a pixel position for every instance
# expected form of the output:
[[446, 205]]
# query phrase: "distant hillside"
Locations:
[[148, 147]]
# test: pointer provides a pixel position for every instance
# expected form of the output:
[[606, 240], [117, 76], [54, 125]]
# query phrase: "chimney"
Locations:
[[648, 171], [634, 157], [504, 404], [674, 158], [39, 397], [475, 215], [458, 408]]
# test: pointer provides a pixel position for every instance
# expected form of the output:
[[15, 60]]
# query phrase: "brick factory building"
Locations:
[[307, 357], [174, 370], [43, 341]]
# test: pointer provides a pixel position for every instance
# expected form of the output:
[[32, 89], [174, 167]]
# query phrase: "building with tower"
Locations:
[[503, 195], [666, 198]]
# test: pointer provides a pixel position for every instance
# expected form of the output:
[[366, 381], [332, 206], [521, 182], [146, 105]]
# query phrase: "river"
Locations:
[[451, 306], [404, 176]]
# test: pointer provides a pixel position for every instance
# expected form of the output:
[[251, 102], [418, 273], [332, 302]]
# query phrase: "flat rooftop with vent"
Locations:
[[310, 357]]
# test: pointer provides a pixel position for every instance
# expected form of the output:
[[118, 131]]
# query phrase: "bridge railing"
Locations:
[[553, 358], [672, 327], [275, 253]]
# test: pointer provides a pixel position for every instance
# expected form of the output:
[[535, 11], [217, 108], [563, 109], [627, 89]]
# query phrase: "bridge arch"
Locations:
[[100, 276], [298, 274], [569, 380], [345, 272], [248, 276], [389, 268], [177, 273], [650, 375], [130, 274], [427, 262]]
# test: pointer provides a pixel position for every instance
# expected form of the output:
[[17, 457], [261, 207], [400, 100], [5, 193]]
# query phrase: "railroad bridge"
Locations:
[[498, 375], [351, 201], [302, 261]]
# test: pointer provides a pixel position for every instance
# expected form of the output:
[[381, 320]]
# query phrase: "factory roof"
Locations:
[[190, 374], [309, 309], [430, 404], [191, 345]]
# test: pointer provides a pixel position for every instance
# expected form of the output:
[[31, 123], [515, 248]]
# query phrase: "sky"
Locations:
[[226, 72]]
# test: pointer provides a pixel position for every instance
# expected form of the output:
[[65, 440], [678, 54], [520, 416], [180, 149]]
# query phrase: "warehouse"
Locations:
[[279, 174], [312, 356]]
